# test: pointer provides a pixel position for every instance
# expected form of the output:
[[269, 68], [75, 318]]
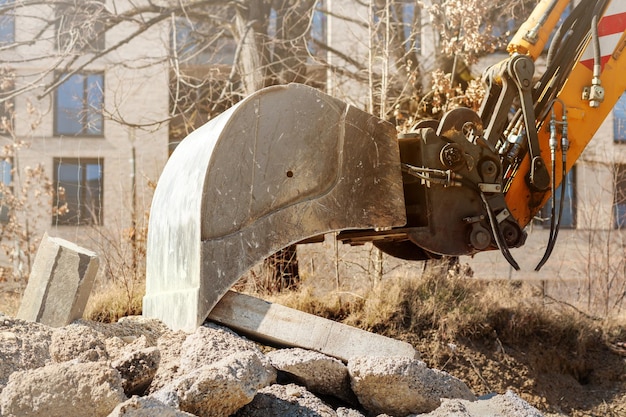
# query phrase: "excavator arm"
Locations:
[[474, 181], [589, 92], [290, 163]]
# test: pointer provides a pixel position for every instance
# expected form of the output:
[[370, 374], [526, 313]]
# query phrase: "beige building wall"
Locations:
[[136, 110], [346, 31]]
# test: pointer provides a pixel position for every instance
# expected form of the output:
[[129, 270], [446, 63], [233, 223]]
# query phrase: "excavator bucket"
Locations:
[[286, 164]]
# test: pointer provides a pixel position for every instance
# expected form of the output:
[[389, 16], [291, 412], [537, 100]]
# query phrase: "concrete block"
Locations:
[[60, 283], [280, 325]]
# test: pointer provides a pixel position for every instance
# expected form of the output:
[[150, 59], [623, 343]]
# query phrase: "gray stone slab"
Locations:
[[59, 284], [277, 324]]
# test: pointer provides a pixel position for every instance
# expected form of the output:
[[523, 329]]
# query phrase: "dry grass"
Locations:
[[447, 304], [438, 310], [111, 302], [10, 302], [453, 306]]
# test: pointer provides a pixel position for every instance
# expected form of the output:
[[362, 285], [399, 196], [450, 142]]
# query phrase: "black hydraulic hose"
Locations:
[[564, 52], [555, 223], [493, 222], [497, 234], [555, 216], [562, 34], [448, 178]]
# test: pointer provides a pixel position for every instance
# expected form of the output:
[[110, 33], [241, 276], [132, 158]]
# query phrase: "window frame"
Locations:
[[5, 211], [84, 120], [191, 49], [619, 120], [318, 30], [83, 216], [7, 20]]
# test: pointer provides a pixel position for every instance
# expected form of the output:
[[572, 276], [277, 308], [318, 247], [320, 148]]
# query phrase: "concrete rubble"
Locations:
[[138, 367], [402, 386], [319, 373], [59, 284]]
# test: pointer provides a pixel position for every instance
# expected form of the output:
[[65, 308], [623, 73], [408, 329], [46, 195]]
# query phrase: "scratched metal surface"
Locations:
[[286, 164]]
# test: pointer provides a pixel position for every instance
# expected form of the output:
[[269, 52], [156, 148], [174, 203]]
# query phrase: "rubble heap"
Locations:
[[138, 367]]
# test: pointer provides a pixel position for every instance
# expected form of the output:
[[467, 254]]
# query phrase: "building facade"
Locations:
[[95, 125]]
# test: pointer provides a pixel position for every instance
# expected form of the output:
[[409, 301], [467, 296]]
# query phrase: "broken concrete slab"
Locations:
[[77, 342], [59, 284], [23, 345], [280, 325], [146, 407], [286, 400], [221, 388], [506, 405], [87, 389], [319, 373], [401, 386]]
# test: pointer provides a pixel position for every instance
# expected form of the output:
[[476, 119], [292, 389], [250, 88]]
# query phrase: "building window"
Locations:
[[318, 31], [7, 22], [6, 178], [619, 197], [80, 27], [78, 105], [568, 216], [619, 120], [411, 26], [198, 42], [78, 185]]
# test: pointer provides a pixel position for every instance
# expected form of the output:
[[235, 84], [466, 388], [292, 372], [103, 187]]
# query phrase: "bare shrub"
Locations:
[[23, 189], [122, 254], [112, 301]]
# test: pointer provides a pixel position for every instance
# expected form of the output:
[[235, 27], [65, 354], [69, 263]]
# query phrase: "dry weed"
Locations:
[[334, 305], [455, 306], [111, 302]]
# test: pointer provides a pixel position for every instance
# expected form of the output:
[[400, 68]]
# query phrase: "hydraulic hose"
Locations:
[[493, 223], [555, 216], [564, 51], [497, 234]]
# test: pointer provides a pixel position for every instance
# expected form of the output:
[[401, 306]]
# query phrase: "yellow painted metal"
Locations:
[[533, 35], [583, 120]]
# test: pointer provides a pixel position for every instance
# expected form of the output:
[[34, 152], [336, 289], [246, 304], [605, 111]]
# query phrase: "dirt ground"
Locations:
[[559, 383]]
